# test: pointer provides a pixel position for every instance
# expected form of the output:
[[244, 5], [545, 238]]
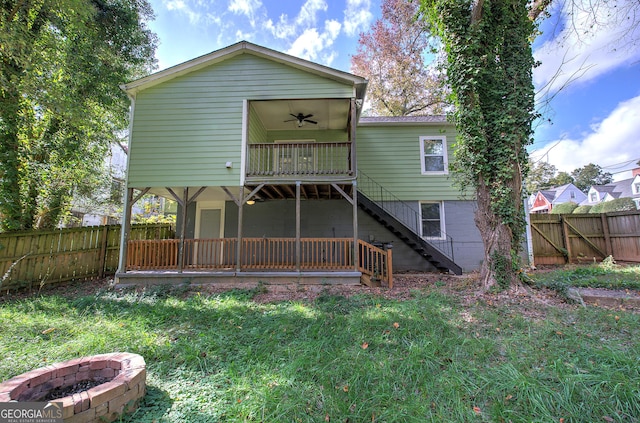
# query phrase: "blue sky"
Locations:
[[592, 77]]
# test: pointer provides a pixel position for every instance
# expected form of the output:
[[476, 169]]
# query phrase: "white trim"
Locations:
[[445, 158], [442, 222], [121, 258], [245, 141]]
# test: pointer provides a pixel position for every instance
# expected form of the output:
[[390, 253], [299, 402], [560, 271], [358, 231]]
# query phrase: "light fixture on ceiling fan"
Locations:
[[301, 119]]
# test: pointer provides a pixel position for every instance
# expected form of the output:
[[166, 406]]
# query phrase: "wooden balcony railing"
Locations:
[[288, 160], [316, 254]]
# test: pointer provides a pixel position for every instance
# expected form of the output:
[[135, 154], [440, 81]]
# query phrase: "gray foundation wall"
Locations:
[[333, 218]]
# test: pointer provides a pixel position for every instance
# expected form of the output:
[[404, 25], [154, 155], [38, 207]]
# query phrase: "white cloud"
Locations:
[[248, 8], [182, 7], [613, 141], [591, 41], [357, 16], [310, 43]]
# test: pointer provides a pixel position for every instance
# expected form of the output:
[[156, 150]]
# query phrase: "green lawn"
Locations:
[[436, 357]]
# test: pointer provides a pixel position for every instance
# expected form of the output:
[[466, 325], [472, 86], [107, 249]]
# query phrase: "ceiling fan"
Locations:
[[301, 118]]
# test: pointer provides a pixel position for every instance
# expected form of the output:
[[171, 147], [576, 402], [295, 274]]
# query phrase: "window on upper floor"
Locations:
[[433, 154], [593, 197], [636, 188], [572, 195], [432, 218]]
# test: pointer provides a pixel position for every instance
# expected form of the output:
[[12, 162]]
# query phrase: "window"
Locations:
[[572, 195], [432, 218], [637, 188], [433, 152], [593, 197]]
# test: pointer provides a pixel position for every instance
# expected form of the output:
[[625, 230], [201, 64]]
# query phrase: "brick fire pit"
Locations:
[[125, 384]]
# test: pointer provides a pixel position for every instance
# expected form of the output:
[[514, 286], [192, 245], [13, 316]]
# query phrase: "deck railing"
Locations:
[[260, 254], [375, 263], [286, 160]]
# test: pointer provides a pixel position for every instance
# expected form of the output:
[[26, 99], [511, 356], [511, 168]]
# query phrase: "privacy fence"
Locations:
[[576, 238], [36, 258]]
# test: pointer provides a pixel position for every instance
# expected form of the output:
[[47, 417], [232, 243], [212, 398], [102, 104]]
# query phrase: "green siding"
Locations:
[[186, 129], [391, 156]]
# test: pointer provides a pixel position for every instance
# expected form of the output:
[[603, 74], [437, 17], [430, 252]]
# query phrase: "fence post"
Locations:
[[565, 236], [103, 250], [607, 236], [390, 267]]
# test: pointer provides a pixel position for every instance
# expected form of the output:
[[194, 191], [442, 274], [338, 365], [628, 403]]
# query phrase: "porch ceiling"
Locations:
[[307, 192], [329, 113]]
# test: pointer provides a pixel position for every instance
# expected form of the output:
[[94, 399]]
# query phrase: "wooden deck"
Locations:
[[279, 260]]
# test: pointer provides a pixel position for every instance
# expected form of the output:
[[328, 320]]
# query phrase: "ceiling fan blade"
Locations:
[[290, 120], [311, 121]]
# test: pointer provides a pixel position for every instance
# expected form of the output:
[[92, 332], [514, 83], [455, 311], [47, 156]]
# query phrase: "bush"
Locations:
[[619, 204], [582, 209], [564, 208]]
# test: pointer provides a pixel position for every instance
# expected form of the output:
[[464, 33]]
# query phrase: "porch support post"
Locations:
[[239, 246], [298, 249], [185, 203], [354, 197], [352, 136], [126, 229]]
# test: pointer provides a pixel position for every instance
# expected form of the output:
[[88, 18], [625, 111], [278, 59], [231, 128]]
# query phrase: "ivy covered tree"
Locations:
[[61, 62], [392, 57], [489, 70]]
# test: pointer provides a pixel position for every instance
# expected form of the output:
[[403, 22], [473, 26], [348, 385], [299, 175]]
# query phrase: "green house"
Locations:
[[278, 177]]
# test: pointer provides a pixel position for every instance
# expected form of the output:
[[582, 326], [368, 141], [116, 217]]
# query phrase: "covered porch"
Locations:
[[306, 261]]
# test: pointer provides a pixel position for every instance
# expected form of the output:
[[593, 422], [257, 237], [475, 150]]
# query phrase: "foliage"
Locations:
[[154, 210], [618, 204], [582, 209], [224, 357], [392, 57], [61, 63], [562, 178], [564, 208], [540, 177], [591, 174], [489, 69]]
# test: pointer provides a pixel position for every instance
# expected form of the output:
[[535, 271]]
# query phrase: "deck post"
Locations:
[[185, 203], [354, 197], [298, 226], [239, 246], [126, 229]]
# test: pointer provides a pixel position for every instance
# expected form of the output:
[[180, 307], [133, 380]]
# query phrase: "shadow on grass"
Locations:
[[155, 404]]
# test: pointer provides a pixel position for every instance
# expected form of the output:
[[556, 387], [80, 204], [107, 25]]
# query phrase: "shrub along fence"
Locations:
[[38, 258], [575, 238]]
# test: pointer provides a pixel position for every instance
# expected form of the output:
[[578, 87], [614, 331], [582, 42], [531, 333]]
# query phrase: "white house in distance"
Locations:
[[626, 188]]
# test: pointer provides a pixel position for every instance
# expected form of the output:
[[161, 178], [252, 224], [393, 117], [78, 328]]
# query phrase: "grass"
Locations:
[[226, 358], [602, 275]]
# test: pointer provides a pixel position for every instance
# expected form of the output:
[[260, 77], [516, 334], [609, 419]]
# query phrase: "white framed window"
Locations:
[[637, 201], [593, 197], [432, 220], [433, 155], [637, 188]]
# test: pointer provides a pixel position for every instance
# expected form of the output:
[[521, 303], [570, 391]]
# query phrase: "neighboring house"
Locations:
[[105, 206], [544, 201], [274, 169], [626, 188]]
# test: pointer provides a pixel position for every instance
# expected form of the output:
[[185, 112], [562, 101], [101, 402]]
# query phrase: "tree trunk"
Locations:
[[10, 198], [498, 268]]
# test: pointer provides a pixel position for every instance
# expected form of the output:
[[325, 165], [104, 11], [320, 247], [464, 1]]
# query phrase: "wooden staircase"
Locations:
[[438, 257]]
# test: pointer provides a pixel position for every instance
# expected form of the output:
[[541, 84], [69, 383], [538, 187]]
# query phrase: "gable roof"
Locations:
[[245, 47]]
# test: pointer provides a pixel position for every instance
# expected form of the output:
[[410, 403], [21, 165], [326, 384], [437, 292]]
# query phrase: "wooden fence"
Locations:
[[575, 238], [49, 257]]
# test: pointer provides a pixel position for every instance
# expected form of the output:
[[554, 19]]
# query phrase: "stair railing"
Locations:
[[404, 212]]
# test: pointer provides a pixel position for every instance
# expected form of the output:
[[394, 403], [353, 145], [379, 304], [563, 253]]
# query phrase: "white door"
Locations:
[[209, 228]]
